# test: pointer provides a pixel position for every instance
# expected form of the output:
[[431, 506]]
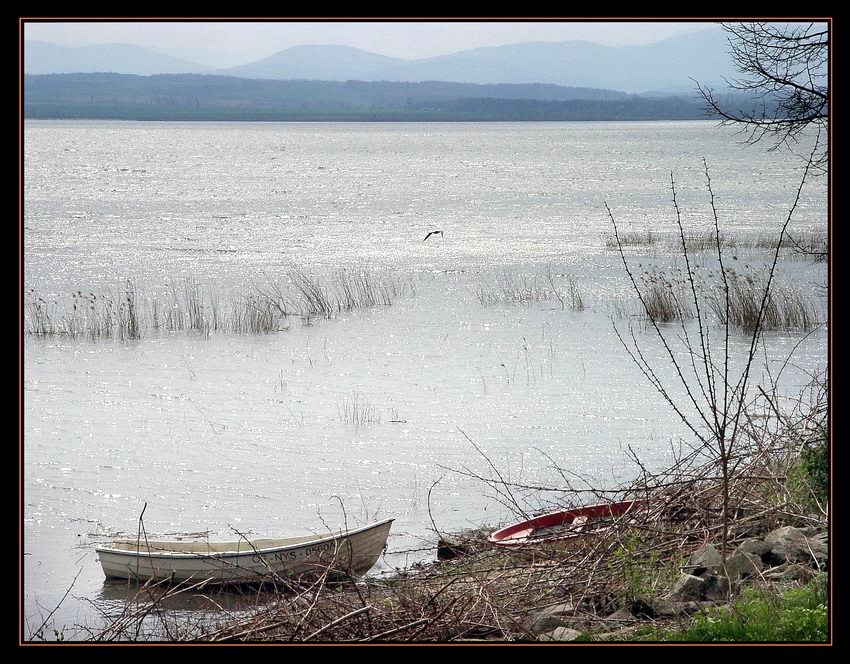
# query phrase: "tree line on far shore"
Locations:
[[199, 97]]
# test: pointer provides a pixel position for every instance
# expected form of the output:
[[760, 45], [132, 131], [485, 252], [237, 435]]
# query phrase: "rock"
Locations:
[[707, 559], [755, 546], [783, 533], [551, 617], [790, 572], [742, 565], [560, 634], [619, 619], [810, 531], [789, 544], [449, 548], [819, 545], [617, 635], [640, 608], [717, 588], [621, 615], [687, 588]]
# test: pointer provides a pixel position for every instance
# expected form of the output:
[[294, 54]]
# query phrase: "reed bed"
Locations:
[[785, 308], [88, 315], [803, 243], [703, 241], [357, 411], [189, 307], [667, 296], [531, 289], [810, 243], [631, 239], [664, 296]]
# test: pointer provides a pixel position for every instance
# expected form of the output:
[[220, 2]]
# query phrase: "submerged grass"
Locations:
[[357, 411], [631, 239], [804, 244], [667, 296], [664, 296], [785, 308], [530, 289]]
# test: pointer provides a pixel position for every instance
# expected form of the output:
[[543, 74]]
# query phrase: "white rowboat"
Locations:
[[350, 551]]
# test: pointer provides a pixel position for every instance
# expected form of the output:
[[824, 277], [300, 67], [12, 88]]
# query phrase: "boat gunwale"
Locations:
[[149, 552], [503, 536]]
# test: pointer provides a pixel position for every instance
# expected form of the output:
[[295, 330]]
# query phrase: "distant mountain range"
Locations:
[[670, 63], [46, 58], [664, 65]]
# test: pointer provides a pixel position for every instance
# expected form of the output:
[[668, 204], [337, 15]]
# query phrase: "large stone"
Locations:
[[640, 608], [790, 572], [707, 559], [621, 615], [755, 546], [819, 545], [788, 544], [551, 617], [743, 565], [449, 548], [687, 588], [717, 588], [560, 634]]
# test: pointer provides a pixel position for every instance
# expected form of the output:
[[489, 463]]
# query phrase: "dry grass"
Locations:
[[664, 296], [357, 411], [703, 241], [785, 308], [531, 289], [631, 239], [188, 307], [804, 244]]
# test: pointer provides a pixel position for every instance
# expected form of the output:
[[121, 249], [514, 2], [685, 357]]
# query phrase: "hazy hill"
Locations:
[[670, 63], [323, 63], [46, 58]]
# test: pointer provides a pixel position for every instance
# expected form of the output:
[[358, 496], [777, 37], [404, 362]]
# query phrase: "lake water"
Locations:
[[251, 433]]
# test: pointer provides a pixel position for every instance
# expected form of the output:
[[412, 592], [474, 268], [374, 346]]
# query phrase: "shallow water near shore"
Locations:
[[251, 434]]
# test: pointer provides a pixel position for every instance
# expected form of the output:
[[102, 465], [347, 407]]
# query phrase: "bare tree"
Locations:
[[785, 67], [712, 395]]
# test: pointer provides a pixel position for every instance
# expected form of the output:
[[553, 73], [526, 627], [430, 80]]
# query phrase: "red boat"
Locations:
[[564, 524]]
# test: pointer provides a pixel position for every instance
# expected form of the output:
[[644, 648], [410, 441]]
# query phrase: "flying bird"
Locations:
[[433, 233]]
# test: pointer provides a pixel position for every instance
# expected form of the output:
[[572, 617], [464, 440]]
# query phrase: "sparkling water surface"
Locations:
[[246, 433]]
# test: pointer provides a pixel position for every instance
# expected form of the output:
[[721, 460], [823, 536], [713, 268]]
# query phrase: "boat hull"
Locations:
[[562, 525], [351, 552]]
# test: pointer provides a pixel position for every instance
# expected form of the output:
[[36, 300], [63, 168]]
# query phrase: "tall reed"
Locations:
[[785, 308], [187, 307], [357, 411]]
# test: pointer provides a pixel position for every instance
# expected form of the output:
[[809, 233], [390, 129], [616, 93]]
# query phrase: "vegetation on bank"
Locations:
[[763, 615]]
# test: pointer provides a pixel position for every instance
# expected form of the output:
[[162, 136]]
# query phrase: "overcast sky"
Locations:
[[230, 44]]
